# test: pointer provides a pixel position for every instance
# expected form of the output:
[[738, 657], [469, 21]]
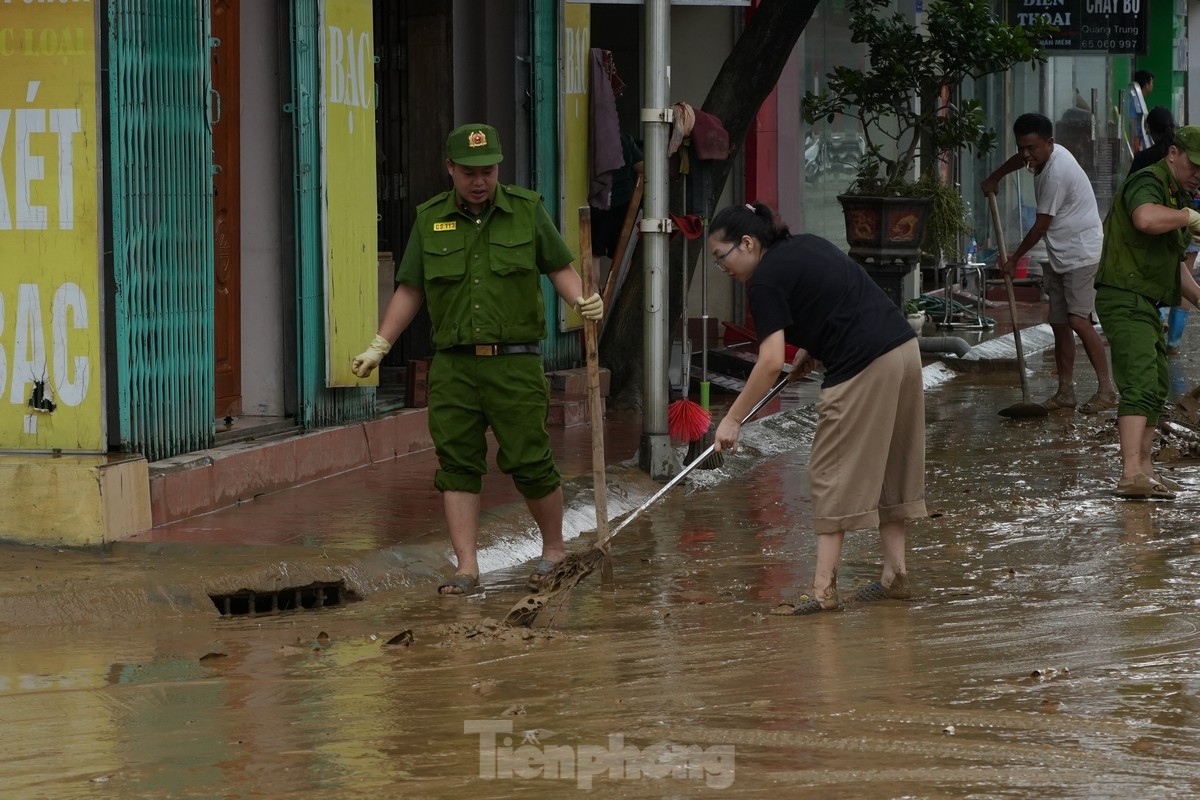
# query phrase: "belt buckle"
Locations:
[[486, 349]]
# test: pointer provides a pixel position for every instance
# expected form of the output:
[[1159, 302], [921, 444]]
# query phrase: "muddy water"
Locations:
[[1051, 652]]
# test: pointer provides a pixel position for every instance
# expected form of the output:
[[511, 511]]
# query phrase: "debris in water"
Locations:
[[485, 630], [535, 735], [212, 656], [403, 638]]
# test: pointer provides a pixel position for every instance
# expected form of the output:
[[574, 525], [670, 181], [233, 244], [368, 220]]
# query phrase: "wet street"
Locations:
[[1050, 651]]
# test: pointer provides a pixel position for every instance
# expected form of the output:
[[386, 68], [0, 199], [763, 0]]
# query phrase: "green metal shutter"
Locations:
[[160, 157], [560, 350], [317, 405]]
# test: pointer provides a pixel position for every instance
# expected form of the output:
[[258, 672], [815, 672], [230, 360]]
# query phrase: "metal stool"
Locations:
[[958, 273]]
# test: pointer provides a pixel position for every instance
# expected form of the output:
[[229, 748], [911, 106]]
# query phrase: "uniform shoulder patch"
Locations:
[[522, 192], [433, 201]]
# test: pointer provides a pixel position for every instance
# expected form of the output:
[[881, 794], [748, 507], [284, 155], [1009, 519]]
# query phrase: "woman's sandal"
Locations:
[[1097, 404], [897, 590], [1055, 403], [1167, 482], [802, 605], [1143, 487]]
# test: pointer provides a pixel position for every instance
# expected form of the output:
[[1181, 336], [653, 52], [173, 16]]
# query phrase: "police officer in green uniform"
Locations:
[[1141, 270], [476, 255]]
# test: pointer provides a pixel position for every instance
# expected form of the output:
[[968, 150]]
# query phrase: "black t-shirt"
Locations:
[[826, 304], [1151, 155]]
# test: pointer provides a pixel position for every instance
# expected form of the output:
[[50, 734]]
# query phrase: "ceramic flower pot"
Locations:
[[881, 229]]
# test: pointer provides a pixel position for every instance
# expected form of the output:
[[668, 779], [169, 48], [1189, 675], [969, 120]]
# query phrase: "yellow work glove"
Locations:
[[590, 307], [1194, 223], [365, 362]]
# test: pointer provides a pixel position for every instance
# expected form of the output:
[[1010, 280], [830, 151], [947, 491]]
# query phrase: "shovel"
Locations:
[[1025, 408]]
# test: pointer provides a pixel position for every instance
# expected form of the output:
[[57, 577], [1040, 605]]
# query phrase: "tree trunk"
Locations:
[[747, 77]]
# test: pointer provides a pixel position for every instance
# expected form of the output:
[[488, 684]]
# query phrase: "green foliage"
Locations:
[[899, 99], [948, 220]]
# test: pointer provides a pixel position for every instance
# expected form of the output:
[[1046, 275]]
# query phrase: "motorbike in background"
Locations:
[[832, 152]]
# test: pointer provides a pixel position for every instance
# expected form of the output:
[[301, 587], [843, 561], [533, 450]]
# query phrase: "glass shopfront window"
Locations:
[[831, 148], [1081, 94]]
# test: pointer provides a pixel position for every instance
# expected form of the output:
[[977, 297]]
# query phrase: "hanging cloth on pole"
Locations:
[[604, 143]]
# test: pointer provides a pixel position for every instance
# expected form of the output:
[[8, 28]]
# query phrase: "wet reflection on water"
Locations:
[[1051, 651]]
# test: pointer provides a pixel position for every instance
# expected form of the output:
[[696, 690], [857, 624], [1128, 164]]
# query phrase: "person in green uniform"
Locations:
[[475, 255], [1142, 269]]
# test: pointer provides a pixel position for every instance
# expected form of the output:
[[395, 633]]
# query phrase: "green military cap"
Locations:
[[474, 145], [1187, 139]]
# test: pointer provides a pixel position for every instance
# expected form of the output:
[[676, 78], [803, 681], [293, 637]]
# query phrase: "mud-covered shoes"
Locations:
[[801, 605], [804, 604], [459, 585], [897, 589], [1143, 487], [1059, 401], [1099, 402]]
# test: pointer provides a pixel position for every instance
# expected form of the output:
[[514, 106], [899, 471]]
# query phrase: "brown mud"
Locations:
[[1049, 651]]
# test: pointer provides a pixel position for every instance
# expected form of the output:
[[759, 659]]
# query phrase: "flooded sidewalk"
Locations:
[[1050, 651]]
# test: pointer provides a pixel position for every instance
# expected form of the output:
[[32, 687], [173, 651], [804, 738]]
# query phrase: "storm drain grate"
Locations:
[[248, 602]]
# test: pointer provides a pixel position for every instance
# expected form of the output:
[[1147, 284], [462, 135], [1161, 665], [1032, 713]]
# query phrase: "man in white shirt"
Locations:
[[1069, 223]]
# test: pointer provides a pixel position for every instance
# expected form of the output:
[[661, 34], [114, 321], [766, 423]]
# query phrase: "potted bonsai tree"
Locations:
[[903, 102]]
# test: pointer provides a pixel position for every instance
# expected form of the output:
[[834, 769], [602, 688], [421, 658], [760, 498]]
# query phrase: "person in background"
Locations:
[[1161, 127], [476, 253], [1069, 223], [1139, 88], [867, 467], [1141, 270]]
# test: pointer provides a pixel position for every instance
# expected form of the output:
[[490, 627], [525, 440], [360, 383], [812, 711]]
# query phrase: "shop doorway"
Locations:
[[414, 46], [227, 245]]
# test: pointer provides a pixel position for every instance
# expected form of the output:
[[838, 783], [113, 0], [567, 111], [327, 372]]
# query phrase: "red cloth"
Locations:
[[689, 225], [710, 140], [704, 135]]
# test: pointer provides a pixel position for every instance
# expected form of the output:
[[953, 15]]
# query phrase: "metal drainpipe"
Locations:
[[656, 455]]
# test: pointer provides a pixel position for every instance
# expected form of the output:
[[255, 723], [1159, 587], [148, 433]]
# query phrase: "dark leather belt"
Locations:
[[496, 349]]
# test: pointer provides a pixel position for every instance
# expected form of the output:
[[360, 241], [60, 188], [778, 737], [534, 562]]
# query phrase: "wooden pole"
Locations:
[[625, 244], [591, 348]]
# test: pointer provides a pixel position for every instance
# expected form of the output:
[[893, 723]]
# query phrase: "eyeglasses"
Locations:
[[721, 258]]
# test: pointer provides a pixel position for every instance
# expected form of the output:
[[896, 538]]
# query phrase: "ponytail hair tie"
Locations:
[[750, 208]]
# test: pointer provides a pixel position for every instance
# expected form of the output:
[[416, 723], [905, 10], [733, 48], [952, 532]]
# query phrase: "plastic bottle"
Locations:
[[972, 249]]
